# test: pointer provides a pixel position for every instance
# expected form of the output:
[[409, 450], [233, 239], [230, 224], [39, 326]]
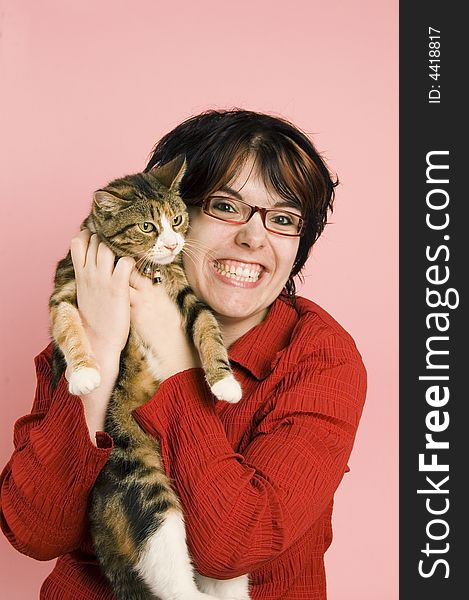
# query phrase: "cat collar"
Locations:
[[155, 275]]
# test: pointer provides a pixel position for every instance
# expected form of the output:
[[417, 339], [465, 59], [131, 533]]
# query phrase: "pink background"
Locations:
[[88, 88]]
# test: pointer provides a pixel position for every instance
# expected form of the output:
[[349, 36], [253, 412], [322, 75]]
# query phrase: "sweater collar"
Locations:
[[257, 349]]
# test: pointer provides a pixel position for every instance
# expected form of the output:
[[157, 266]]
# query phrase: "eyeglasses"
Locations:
[[237, 212]]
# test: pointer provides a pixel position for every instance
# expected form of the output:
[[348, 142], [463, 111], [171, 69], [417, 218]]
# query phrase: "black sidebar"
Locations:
[[434, 269]]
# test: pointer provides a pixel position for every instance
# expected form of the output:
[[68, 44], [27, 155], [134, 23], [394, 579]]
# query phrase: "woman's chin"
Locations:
[[234, 308]]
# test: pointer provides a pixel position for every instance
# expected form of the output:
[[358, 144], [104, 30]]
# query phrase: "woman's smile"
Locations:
[[237, 273]]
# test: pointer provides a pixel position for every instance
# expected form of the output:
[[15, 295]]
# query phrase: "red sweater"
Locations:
[[256, 479]]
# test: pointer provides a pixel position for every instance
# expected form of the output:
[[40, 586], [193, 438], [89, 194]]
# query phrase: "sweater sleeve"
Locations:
[[45, 485], [242, 510]]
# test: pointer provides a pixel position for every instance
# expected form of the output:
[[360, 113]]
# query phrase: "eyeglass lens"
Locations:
[[276, 219]]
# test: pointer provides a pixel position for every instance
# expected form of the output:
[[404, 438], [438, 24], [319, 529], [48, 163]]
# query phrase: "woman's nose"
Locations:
[[253, 233]]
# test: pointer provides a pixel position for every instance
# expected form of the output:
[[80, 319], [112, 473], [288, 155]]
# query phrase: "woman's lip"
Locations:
[[241, 262]]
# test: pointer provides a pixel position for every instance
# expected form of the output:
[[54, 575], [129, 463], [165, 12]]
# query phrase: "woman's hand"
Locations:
[[102, 293], [104, 304], [157, 320]]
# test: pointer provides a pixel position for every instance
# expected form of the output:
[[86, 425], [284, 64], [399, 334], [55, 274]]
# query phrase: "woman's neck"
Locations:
[[233, 328]]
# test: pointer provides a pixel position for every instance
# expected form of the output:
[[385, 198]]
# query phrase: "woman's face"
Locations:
[[213, 245]]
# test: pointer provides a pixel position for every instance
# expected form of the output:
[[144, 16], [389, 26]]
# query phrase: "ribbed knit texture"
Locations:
[[256, 479]]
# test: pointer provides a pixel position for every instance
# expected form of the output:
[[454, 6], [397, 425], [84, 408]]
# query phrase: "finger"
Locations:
[[78, 246], [123, 269], [91, 251], [105, 259], [138, 281], [134, 297]]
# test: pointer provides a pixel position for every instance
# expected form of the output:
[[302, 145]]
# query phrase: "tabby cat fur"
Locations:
[[136, 519]]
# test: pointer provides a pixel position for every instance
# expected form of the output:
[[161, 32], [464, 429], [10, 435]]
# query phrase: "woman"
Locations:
[[256, 479]]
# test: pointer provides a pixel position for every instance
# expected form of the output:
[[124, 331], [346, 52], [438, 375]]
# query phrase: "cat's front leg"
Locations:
[[69, 334], [225, 589], [203, 329], [214, 356]]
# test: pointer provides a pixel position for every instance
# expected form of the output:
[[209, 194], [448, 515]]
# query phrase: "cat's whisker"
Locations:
[[118, 251], [147, 263], [194, 258], [137, 262], [144, 261], [200, 252], [198, 243], [187, 245], [144, 255], [141, 260], [201, 249]]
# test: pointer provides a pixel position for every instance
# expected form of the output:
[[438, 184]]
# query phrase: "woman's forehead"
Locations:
[[249, 183], [252, 180]]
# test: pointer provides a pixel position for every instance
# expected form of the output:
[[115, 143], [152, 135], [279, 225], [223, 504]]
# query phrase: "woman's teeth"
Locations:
[[237, 273]]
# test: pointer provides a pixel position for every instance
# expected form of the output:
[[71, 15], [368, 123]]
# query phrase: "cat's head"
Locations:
[[143, 216]]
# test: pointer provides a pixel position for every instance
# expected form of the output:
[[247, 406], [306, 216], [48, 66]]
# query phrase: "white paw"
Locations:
[[227, 589], [227, 389], [83, 381]]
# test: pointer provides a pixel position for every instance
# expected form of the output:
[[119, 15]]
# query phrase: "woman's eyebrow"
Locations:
[[279, 203], [228, 190], [287, 203]]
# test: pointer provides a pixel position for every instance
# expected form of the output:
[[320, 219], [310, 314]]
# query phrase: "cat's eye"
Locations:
[[177, 220], [146, 227]]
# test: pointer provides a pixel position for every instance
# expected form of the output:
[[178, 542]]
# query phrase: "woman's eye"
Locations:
[[146, 227], [177, 220], [224, 207], [282, 220]]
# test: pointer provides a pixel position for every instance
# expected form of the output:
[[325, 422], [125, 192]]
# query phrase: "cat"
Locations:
[[136, 520]]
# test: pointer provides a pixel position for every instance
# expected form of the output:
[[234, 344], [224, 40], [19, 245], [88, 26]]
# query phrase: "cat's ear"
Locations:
[[106, 201], [170, 174]]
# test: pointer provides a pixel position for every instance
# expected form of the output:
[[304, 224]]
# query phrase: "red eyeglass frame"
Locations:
[[263, 211]]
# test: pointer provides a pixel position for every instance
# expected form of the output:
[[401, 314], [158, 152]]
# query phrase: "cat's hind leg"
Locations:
[[225, 589], [164, 563]]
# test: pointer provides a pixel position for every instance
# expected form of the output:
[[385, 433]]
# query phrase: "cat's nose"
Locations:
[[170, 246]]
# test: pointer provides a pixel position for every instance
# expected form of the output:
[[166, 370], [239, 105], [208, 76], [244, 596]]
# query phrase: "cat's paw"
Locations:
[[83, 381], [227, 589], [227, 389]]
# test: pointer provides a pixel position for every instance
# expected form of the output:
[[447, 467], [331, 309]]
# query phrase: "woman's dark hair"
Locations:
[[216, 145]]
